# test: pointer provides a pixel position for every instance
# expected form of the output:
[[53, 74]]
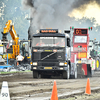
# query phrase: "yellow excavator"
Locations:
[[14, 50], [18, 46]]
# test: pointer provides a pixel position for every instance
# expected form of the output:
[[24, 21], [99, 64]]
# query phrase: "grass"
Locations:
[[14, 72]]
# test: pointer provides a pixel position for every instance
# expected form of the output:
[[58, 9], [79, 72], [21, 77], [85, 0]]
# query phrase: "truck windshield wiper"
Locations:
[[48, 56]]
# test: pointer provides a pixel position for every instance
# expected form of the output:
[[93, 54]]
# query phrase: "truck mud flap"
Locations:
[[89, 71], [83, 70], [80, 72]]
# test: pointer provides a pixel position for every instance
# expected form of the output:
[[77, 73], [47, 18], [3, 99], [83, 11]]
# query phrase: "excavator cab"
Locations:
[[24, 49]]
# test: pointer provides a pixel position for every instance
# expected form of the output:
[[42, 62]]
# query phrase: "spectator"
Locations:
[[26, 59], [19, 58], [23, 49]]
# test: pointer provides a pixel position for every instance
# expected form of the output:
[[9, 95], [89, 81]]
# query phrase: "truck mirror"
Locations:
[[67, 31], [68, 42]]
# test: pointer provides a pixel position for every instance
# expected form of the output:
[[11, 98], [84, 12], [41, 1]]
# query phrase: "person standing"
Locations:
[[19, 58], [23, 49], [26, 59]]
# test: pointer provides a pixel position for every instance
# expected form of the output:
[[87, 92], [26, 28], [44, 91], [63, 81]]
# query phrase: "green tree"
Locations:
[[12, 10]]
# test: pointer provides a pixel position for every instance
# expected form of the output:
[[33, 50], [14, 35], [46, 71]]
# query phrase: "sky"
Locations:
[[62, 14], [89, 10], [12, 10]]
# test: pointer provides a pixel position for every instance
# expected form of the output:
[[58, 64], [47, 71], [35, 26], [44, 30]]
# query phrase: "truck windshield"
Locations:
[[80, 39], [48, 41]]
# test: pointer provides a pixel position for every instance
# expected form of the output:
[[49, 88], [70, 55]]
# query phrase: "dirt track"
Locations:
[[23, 87]]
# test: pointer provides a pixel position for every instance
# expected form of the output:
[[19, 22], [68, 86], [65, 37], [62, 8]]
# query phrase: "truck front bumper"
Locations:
[[49, 68]]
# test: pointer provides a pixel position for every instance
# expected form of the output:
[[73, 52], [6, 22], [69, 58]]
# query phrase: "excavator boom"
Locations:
[[10, 29]]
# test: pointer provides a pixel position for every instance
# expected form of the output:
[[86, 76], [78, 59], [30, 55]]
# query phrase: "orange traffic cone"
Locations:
[[54, 92], [88, 90]]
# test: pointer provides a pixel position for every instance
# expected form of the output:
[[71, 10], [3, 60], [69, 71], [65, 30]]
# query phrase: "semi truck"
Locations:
[[51, 52], [80, 42]]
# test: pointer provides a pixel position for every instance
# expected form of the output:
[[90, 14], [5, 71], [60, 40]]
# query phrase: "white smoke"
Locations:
[[89, 10]]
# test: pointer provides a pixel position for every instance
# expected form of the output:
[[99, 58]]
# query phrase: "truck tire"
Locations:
[[75, 73], [66, 74], [35, 74], [89, 70], [68, 71]]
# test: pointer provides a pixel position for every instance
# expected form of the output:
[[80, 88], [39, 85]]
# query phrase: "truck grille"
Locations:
[[48, 56], [48, 64]]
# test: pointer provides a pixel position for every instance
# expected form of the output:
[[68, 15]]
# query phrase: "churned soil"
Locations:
[[23, 87]]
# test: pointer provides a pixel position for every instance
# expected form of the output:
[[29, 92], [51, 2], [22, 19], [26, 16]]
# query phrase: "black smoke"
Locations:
[[28, 4], [54, 14], [48, 14]]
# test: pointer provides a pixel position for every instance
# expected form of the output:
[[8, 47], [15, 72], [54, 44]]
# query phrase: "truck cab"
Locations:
[[50, 53]]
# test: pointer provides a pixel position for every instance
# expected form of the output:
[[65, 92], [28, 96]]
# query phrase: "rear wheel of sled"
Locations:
[[66, 74]]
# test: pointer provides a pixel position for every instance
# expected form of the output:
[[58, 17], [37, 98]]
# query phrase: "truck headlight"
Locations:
[[61, 68], [34, 68], [35, 50], [54, 50], [35, 63], [61, 64]]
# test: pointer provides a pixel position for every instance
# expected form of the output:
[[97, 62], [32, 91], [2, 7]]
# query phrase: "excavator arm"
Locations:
[[10, 29]]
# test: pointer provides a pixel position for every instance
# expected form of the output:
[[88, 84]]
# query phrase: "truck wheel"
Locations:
[[68, 71], [35, 74], [75, 74], [66, 74]]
